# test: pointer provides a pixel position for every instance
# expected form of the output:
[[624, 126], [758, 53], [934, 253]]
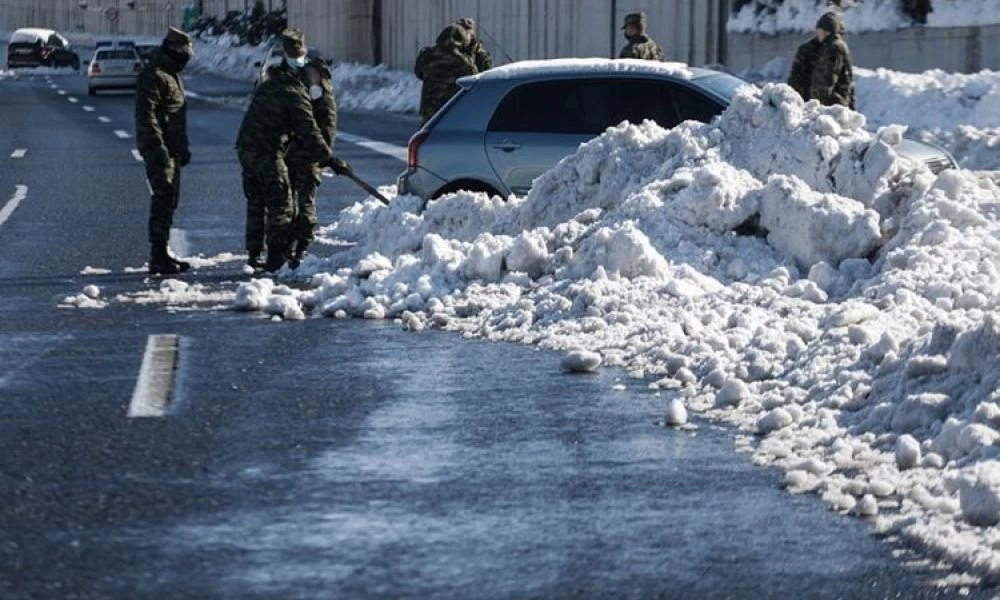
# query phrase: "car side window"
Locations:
[[571, 106], [637, 100], [694, 106], [55, 41]]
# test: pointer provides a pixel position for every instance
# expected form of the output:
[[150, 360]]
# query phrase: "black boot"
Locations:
[[298, 254], [255, 260], [275, 258], [160, 262], [183, 265]]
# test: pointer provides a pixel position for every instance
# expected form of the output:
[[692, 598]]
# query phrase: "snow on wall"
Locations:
[[860, 15], [873, 383]]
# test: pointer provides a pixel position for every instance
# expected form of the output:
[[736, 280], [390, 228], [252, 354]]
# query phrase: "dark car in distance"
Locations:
[[35, 47]]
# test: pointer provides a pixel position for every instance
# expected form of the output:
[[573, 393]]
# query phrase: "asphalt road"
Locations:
[[328, 458]]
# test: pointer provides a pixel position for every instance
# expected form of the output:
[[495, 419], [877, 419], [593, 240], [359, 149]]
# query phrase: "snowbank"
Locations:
[[959, 111], [357, 86], [851, 330], [860, 15]]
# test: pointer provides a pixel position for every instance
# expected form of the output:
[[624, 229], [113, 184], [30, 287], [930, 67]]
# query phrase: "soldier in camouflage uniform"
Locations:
[[281, 109], [161, 136], [304, 174], [832, 79], [800, 78], [482, 59], [639, 44], [439, 66]]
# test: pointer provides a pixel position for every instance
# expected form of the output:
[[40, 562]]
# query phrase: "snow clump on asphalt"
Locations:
[[781, 269]]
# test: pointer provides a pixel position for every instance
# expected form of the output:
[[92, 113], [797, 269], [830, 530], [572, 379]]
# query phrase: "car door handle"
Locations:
[[507, 146]]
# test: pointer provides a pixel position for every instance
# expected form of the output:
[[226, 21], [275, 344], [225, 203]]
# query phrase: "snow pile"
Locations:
[[378, 88], [873, 384], [357, 86], [959, 111], [771, 17]]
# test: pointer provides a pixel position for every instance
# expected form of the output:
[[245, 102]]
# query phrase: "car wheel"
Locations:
[[467, 185]]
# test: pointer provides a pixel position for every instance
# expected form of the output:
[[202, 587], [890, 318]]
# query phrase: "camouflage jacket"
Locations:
[[482, 59], [802, 67], [439, 66], [833, 77], [280, 111], [161, 110], [643, 47], [324, 109]]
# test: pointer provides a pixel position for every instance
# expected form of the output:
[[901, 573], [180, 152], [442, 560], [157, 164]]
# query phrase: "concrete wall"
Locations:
[[150, 17], [688, 30], [958, 49], [341, 29]]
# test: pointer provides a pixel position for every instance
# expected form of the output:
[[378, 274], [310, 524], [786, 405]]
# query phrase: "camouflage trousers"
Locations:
[[165, 181], [305, 178], [269, 201]]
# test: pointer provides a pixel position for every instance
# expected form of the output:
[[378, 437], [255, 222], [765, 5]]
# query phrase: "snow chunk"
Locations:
[[676, 414], [580, 361], [907, 452]]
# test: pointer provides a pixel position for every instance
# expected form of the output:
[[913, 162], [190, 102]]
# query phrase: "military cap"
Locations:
[[466, 22], [293, 41], [176, 36], [637, 19]]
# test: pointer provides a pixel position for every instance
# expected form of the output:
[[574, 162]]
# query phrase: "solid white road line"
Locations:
[[104, 119], [20, 193], [136, 155], [155, 387], [72, 99], [397, 152], [122, 134], [88, 108], [194, 95], [19, 153]]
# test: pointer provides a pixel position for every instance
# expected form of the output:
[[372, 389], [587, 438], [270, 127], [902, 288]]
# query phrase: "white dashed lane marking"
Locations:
[[88, 108], [104, 119], [72, 99], [136, 155], [62, 92], [19, 153], [20, 193], [122, 134], [154, 390]]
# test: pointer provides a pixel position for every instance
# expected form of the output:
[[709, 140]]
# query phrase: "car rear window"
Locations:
[[116, 55]]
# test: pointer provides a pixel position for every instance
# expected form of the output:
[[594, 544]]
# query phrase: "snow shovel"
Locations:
[[363, 185]]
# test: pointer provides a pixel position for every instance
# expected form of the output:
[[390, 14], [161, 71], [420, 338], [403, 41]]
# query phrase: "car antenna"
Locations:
[[496, 43]]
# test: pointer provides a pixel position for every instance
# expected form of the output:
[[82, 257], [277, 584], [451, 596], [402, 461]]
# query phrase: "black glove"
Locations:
[[339, 166], [184, 158]]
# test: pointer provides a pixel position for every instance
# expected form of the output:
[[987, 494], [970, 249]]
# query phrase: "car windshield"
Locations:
[[722, 85], [116, 55]]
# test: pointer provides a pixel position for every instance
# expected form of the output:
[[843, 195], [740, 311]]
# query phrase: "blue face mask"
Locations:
[[296, 63]]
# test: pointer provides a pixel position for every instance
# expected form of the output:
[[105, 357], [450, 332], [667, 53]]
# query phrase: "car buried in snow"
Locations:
[[36, 47], [507, 126]]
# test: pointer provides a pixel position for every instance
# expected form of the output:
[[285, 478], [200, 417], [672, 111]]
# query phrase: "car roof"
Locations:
[[30, 34], [575, 67]]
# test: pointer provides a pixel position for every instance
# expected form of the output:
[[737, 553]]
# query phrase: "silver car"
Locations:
[[113, 68], [506, 127]]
